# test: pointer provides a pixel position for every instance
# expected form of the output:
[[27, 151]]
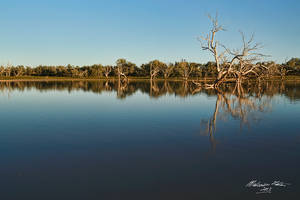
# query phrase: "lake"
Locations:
[[148, 140]]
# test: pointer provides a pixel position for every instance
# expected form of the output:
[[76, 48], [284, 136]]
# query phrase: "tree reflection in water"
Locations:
[[236, 101], [159, 88]]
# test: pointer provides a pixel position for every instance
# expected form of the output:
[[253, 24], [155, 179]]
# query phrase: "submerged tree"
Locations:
[[237, 63]]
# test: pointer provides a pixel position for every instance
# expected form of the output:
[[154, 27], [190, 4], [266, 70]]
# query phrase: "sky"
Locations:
[[84, 32]]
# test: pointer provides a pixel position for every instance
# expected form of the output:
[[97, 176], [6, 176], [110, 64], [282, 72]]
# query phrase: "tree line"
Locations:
[[152, 70]]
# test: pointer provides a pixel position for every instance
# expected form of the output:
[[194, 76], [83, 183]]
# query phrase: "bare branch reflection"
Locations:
[[240, 103]]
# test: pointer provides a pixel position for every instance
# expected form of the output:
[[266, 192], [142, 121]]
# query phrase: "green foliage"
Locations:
[[293, 65]]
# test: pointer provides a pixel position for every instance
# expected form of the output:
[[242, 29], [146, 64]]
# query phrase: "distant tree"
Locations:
[[7, 70], [293, 62], [2, 71], [242, 67], [167, 70], [293, 65], [19, 70], [95, 70], [155, 68], [121, 69], [145, 70], [131, 69], [107, 70], [197, 70], [185, 69]]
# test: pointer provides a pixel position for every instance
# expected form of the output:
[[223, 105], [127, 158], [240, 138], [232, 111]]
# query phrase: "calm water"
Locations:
[[161, 140]]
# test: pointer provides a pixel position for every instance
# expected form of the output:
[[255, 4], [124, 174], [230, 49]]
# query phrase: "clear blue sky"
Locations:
[[86, 32]]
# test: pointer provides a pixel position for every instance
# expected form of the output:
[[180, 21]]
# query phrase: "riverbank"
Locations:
[[51, 78]]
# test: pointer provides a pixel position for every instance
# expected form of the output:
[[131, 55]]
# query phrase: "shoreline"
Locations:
[[45, 79]]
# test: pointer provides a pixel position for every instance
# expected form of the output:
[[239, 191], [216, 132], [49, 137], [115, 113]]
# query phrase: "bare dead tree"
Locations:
[[107, 70], [243, 61], [121, 73], [209, 43], [120, 69], [236, 63]]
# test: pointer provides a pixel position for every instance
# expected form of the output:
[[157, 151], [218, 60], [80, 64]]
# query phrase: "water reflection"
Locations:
[[242, 103], [238, 105], [157, 89]]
